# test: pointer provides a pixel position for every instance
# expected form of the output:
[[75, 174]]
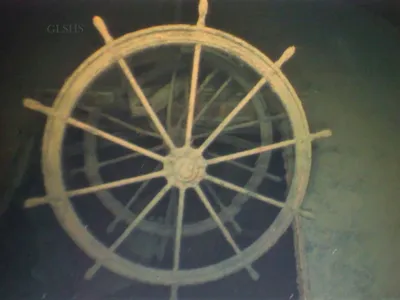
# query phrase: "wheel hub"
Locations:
[[185, 167]]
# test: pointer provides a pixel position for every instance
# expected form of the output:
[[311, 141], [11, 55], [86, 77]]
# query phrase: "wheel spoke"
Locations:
[[233, 113], [253, 274], [250, 169], [115, 184], [230, 128], [248, 123], [170, 220], [174, 293], [261, 149], [212, 192], [35, 105], [287, 54], [179, 226], [121, 123], [172, 208], [242, 125], [101, 27], [235, 141], [76, 149], [126, 208], [144, 101], [254, 123], [156, 73], [114, 160], [201, 88], [254, 195], [92, 271], [32, 202], [178, 238], [170, 100], [192, 95], [213, 98]]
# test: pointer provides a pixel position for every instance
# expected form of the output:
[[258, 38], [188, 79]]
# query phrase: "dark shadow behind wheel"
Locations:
[[18, 251], [20, 151]]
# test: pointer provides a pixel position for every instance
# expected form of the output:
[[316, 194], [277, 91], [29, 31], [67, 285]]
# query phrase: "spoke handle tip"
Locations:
[[253, 273], [323, 134], [202, 9], [37, 106], [326, 133], [33, 202], [101, 27], [111, 227], [307, 214], [286, 55], [32, 103], [98, 22], [91, 272]]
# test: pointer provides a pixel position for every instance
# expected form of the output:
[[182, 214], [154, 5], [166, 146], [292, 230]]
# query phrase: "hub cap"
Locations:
[[185, 167]]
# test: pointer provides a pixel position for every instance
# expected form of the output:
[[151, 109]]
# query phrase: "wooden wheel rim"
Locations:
[[149, 38]]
